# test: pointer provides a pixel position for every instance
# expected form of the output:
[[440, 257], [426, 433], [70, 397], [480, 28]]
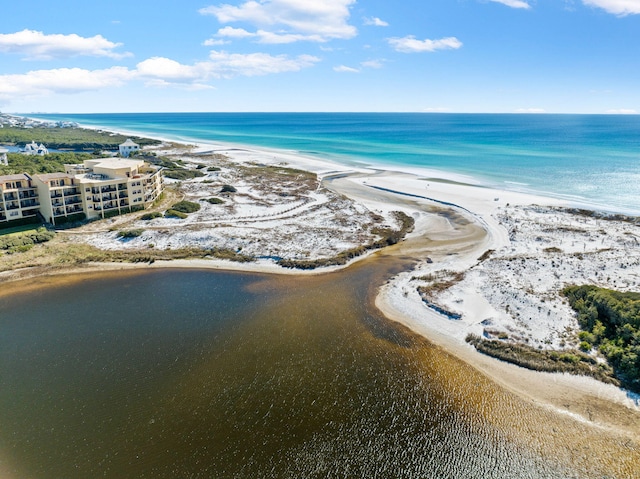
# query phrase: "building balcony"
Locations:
[[29, 203], [29, 212], [73, 201], [10, 197], [27, 194], [56, 194], [123, 194], [107, 189], [74, 209], [72, 192]]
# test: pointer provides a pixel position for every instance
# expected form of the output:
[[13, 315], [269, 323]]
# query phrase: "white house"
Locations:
[[3, 156], [34, 149], [128, 147]]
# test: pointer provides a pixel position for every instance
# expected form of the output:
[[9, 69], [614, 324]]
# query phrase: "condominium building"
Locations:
[[97, 188], [60, 196], [18, 197]]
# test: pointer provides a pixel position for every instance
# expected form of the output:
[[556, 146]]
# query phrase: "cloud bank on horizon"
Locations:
[[302, 54]]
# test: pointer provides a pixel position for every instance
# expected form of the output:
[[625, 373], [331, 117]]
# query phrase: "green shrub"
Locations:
[[585, 346], [16, 243], [112, 213], [126, 234], [214, 201], [175, 214], [186, 207], [182, 174], [228, 189], [611, 322], [150, 216]]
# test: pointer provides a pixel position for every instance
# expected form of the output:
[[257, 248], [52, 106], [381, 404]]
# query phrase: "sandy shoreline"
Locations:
[[449, 245]]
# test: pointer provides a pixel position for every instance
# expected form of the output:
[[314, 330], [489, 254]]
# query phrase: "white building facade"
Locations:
[[95, 189], [34, 149], [127, 148]]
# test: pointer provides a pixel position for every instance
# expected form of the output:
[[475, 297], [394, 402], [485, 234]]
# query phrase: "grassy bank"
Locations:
[[59, 253], [569, 361]]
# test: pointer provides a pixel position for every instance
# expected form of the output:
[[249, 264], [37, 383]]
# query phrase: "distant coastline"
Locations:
[[586, 160]]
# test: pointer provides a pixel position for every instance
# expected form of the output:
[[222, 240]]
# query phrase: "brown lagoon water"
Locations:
[[199, 374]]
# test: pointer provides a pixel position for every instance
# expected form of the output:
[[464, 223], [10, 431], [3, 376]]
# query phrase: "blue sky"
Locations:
[[555, 56]]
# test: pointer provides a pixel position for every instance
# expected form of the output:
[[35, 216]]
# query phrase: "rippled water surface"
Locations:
[[196, 374]]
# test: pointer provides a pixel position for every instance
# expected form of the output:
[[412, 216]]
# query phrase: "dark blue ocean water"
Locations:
[[592, 159]]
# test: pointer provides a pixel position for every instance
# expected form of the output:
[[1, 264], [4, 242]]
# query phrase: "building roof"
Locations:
[[116, 163], [18, 177], [53, 176], [129, 142]]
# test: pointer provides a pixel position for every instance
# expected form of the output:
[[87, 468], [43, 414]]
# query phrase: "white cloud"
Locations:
[[163, 72], [287, 21], [231, 32], [228, 65], [264, 36], [376, 22], [513, 3], [345, 69], [373, 64], [156, 72], [410, 44], [61, 81], [38, 46], [623, 111], [617, 7], [213, 42]]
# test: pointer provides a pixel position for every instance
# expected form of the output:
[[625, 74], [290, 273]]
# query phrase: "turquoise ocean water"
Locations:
[[588, 159]]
